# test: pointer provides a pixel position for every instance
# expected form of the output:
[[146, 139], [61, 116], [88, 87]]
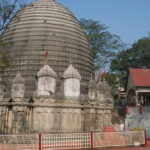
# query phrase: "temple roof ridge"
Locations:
[[18, 79], [92, 84], [106, 86], [71, 72], [100, 85], [46, 70]]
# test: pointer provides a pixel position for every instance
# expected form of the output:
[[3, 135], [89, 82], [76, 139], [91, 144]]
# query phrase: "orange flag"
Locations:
[[99, 75], [105, 73], [45, 53]]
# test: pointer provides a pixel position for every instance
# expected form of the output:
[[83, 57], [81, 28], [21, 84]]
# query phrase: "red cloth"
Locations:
[[109, 128], [127, 109], [45, 53]]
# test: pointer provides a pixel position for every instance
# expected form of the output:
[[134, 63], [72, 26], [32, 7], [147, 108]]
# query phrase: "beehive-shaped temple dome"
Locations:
[[46, 25]]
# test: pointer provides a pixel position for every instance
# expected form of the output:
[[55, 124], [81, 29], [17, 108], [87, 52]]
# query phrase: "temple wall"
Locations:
[[50, 116], [3, 119], [56, 119]]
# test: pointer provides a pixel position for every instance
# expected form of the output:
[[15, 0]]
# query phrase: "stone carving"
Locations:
[[20, 122], [71, 82], [18, 87], [3, 112], [46, 81]]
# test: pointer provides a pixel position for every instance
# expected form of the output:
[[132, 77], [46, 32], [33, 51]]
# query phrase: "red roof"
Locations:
[[140, 77]]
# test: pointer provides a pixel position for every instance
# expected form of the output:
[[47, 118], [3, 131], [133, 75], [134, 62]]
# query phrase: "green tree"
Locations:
[[138, 56], [104, 44], [114, 81], [8, 8]]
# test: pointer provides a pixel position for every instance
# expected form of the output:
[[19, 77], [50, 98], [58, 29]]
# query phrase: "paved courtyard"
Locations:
[[128, 148]]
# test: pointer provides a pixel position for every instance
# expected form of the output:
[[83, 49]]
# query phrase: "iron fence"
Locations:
[[71, 141]]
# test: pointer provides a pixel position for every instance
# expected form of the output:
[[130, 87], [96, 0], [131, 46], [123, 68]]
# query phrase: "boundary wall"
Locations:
[[72, 141]]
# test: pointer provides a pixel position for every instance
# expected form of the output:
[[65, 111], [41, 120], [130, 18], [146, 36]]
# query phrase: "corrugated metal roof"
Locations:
[[140, 77]]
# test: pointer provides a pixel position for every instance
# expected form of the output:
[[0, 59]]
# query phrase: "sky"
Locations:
[[130, 19]]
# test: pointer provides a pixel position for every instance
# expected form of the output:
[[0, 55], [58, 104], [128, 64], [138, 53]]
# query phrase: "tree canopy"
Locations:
[[138, 56], [104, 44], [7, 10]]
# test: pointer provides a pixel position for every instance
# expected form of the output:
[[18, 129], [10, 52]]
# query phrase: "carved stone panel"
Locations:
[[46, 86], [20, 122], [18, 90], [57, 119], [100, 96], [3, 115], [72, 87], [92, 94], [89, 120], [71, 120]]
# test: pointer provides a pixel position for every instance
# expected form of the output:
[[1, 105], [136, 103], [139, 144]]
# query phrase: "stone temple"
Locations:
[[56, 93]]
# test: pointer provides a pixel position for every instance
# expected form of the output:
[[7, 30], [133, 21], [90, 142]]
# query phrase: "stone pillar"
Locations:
[[99, 119], [71, 82], [46, 81], [3, 121], [136, 98], [19, 121], [89, 119], [10, 120], [18, 87], [30, 118]]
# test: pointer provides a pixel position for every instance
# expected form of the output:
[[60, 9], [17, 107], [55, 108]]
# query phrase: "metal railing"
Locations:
[[65, 141], [19, 142], [70, 141]]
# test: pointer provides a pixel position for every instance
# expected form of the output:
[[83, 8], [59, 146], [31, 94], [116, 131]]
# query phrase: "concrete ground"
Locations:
[[147, 147]]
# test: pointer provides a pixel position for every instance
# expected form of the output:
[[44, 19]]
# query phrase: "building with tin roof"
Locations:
[[138, 87]]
